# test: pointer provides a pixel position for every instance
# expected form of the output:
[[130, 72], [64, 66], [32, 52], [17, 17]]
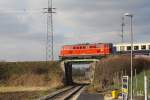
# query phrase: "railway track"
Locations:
[[65, 94]]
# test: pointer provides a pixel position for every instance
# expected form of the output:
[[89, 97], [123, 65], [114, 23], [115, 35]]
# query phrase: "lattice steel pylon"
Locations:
[[122, 30], [50, 35]]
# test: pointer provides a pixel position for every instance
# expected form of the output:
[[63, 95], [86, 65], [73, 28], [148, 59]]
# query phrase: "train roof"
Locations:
[[86, 44], [136, 43]]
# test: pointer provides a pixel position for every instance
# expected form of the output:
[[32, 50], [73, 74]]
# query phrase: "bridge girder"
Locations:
[[81, 61]]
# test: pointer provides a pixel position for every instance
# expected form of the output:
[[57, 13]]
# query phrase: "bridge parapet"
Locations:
[[82, 61]]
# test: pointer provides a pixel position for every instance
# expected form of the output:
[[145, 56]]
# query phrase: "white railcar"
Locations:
[[138, 48]]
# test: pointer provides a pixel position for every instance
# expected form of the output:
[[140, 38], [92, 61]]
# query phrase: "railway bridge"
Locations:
[[66, 65]]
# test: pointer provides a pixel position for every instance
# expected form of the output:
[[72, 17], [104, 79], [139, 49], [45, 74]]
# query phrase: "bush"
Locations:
[[15, 70], [109, 70]]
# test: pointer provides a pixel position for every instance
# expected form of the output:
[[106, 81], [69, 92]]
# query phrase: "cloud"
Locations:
[[76, 21]]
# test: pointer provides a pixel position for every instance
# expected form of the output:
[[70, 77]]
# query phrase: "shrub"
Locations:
[[112, 68]]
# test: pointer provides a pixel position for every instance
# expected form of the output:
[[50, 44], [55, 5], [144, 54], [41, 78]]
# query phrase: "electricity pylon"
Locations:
[[50, 35], [122, 25]]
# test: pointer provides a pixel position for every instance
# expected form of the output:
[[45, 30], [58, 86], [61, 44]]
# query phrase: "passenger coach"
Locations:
[[138, 48]]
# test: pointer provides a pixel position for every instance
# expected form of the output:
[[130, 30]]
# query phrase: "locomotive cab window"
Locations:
[[143, 47], [128, 47], [136, 47], [92, 46]]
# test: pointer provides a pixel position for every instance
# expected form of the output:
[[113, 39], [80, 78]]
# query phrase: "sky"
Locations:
[[23, 25]]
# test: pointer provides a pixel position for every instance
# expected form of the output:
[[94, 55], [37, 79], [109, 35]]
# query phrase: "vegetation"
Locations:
[[139, 86], [29, 80], [29, 73], [109, 70]]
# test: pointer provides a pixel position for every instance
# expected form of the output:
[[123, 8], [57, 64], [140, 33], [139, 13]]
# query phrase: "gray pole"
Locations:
[[131, 60], [136, 84], [52, 37], [145, 87], [131, 16]]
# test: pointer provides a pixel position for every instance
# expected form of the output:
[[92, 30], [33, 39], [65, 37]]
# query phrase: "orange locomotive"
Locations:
[[96, 50]]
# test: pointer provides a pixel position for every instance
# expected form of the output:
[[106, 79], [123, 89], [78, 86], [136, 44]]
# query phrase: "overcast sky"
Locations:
[[23, 34]]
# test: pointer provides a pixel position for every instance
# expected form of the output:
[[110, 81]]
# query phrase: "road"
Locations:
[[89, 96]]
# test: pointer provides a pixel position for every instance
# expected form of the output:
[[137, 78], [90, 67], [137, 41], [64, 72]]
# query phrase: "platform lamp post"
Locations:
[[131, 16]]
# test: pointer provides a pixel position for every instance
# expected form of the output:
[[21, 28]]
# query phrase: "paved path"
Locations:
[[89, 96]]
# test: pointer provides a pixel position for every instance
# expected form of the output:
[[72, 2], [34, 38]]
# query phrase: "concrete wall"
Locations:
[[92, 71], [67, 69]]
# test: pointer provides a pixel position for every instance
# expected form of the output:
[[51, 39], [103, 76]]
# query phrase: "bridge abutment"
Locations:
[[67, 69], [68, 74]]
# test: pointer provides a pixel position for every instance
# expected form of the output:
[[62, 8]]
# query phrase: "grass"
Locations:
[[22, 89], [109, 70], [29, 73], [91, 89], [140, 81], [29, 80], [25, 93]]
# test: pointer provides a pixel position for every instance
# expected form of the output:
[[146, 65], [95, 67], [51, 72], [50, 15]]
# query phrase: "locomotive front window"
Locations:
[[136, 47], [143, 47], [128, 47]]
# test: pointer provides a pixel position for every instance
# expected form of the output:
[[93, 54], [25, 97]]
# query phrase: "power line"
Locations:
[[15, 11]]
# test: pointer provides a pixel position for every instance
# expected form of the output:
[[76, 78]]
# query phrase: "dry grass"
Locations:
[[22, 89], [33, 80], [109, 70], [91, 89], [30, 74], [28, 80], [25, 93], [34, 95]]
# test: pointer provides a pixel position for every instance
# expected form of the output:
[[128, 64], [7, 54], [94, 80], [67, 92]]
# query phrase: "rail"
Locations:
[[64, 94]]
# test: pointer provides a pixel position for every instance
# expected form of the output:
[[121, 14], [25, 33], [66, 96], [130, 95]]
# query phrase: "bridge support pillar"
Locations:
[[68, 73], [67, 69]]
